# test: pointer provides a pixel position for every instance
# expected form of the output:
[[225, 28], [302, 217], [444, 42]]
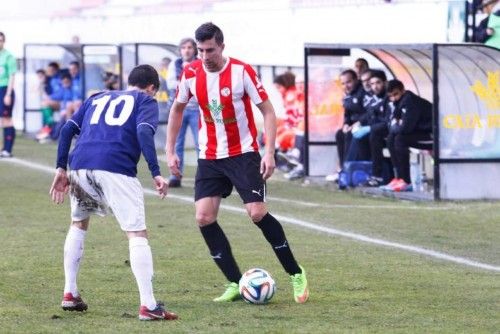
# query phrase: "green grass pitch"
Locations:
[[356, 287]]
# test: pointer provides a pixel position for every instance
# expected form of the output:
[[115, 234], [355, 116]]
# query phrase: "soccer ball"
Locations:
[[257, 286]]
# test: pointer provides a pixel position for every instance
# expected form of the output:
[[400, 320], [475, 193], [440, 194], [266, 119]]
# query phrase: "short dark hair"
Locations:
[[74, 62], [208, 31], [363, 60], [394, 84], [351, 72], [41, 71], [2, 35], [379, 74], [286, 79], [144, 75], [65, 75], [54, 65]]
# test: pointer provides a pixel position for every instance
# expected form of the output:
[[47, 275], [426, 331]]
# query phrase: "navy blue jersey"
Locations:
[[108, 124]]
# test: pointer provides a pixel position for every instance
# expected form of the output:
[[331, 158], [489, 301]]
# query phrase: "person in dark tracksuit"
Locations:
[[375, 125], [353, 111], [411, 126], [359, 148]]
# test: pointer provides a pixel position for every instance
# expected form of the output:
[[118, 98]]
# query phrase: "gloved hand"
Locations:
[[361, 132]]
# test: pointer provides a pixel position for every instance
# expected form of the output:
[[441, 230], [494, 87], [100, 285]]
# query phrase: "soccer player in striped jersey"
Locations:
[[229, 153]]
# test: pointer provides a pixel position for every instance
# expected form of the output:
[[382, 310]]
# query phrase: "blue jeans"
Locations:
[[190, 119]]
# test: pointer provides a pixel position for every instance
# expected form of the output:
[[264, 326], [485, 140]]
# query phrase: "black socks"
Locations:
[[221, 251], [274, 234]]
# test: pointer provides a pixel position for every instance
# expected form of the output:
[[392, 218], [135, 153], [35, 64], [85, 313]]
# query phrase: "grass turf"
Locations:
[[355, 287]]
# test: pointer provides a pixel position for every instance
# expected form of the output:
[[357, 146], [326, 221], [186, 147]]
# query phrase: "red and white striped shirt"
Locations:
[[226, 126]]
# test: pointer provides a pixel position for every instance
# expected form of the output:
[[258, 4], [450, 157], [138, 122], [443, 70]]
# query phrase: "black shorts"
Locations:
[[6, 111], [217, 178]]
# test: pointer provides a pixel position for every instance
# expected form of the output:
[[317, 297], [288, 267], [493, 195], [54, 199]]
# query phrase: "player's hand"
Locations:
[[60, 186], [161, 186], [267, 165], [174, 164], [7, 100], [346, 128]]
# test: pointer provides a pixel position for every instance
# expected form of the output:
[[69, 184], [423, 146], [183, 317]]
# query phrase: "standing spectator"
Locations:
[[411, 126], [488, 30], [113, 129], [285, 133], [8, 68], [229, 154], [191, 115]]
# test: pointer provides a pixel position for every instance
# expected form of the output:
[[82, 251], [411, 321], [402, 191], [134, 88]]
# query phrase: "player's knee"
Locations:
[[204, 218], [82, 224], [256, 215]]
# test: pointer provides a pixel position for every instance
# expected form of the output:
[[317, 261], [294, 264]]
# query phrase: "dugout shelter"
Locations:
[[461, 80], [101, 65]]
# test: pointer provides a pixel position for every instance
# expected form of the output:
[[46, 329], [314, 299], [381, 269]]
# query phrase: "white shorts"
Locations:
[[100, 192]]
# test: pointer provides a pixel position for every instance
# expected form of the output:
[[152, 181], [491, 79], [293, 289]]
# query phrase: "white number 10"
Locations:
[[109, 117]]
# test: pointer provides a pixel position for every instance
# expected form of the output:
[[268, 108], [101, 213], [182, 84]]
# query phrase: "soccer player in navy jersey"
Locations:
[[229, 153], [113, 129]]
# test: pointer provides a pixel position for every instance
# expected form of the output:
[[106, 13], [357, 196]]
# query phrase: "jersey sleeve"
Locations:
[[183, 94], [148, 112], [78, 116], [253, 86]]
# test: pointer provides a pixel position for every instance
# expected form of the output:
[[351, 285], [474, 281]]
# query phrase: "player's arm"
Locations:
[[60, 184], [268, 164], [12, 67], [145, 136]]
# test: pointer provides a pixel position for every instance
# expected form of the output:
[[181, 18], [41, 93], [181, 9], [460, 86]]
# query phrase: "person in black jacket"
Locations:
[[353, 111], [376, 125], [410, 126], [359, 148]]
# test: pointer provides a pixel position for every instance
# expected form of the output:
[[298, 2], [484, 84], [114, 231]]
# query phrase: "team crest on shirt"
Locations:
[[225, 91]]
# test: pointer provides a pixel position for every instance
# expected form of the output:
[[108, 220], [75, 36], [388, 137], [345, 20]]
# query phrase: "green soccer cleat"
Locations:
[[300, 288], [232, 293]]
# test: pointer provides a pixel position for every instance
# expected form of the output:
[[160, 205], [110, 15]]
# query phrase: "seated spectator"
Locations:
[[353, 111], [49, 104], [44, 91], [111, 81], [54, 76], [360, 66], [62, 100], [76, 84], [365, 81], [376, 127], [410, 126], [359, 149]]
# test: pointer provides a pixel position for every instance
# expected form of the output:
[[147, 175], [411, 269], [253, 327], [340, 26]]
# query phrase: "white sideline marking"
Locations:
[[308, 225], [347, 206]]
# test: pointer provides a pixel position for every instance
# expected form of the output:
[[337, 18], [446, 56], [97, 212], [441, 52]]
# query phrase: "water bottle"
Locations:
[[416, 176], [424, 183]]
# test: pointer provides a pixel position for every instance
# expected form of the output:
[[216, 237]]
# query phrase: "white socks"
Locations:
[[73, 252], [141, 262]]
